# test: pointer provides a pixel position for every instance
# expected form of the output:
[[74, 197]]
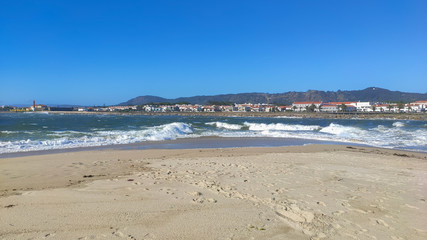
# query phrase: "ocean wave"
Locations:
[[380, 136], [340, 130], [398, 124], [290, 117], [68, 133], [311, 135], [73, 139], [168, 131], [225, 125], [280, 127], [16, 132], [389, 134], [398, 136], [342, 133], [9, 132]]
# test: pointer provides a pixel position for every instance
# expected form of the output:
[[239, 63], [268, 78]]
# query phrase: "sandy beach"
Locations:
[[305, 192]]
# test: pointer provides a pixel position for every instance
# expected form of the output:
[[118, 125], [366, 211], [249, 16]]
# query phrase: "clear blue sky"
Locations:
[[106, 52]]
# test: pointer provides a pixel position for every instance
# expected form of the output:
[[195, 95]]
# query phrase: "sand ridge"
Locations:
[[311, 192]]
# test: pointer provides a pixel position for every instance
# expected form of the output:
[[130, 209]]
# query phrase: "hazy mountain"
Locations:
[[372, 94], [145, 99]]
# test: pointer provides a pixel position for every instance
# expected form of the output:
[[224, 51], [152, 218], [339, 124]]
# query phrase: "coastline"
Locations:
[[297, 192], [208, 142], [323, 115], [42, 133]]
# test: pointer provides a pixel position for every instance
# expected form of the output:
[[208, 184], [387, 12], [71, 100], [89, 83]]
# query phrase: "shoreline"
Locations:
[[323, 115], [296, 192], [208, 142]]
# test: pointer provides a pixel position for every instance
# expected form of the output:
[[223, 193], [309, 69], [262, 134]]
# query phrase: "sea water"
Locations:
[[20, 132]]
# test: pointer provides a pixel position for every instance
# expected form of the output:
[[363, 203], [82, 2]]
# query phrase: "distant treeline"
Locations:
[[220, 103], [166, 103]]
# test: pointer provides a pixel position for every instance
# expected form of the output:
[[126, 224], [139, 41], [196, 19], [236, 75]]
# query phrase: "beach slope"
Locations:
[[307, 192]]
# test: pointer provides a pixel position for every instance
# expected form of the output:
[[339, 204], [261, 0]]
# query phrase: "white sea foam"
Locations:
[[280, 127], [68, 133], [380, 136], [168, 131], [395, 134], [225, 125], [36, 112], [398, 124], [343, 131], [68, 139], [16, 132], [398, 136], [8, 132], [290, 117]]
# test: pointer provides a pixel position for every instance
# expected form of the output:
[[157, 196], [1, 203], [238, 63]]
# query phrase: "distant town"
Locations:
[[309, 106]]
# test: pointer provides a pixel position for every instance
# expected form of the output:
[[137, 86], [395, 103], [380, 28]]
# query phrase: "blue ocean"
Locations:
[[23, 132]]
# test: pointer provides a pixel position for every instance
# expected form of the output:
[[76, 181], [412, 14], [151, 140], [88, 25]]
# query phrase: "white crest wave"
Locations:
[[398, 124], [68, 140], [280, 127], [225, 125]]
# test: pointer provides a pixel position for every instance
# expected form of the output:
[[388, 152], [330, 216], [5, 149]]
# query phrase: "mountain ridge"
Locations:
[[371, 94]]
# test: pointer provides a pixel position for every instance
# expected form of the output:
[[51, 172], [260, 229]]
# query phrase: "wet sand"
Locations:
[[302, 192]]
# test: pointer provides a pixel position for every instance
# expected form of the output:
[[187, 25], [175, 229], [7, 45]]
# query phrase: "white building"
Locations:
[[269, 108], [243, 107], [350, 106], [284, 108], [412, 108], [383, 108], [364, 107], [169, 108], [121, 108], [422, 105], [302, 106], [189, 108], [227, 108], [329, 108], [150, 108], [210, 108]]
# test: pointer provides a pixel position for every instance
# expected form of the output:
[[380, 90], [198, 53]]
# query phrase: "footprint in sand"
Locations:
[[410, 206], [120, 234], [382, 222], [338, 213], [149, 236], [48, 235]]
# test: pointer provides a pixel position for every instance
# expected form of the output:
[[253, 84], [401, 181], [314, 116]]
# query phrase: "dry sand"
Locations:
[[310, 192]]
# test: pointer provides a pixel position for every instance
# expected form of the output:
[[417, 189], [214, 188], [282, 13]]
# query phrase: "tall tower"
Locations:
[[34, 105]]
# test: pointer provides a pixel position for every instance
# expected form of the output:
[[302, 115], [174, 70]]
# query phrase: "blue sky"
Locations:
[[106, 52]]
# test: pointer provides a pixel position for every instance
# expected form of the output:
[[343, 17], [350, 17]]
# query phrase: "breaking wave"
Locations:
[[280, 127], [394, 136], [342, 131], [398, 124], [225, 125], [73, 139], [26, 133]]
